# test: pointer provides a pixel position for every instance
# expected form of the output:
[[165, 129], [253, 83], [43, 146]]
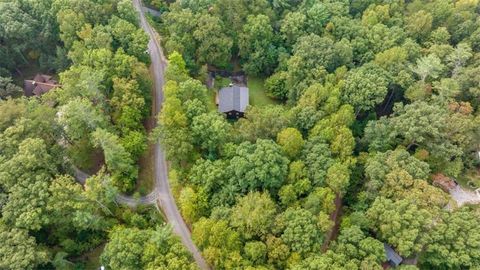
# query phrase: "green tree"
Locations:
[[263, 123], [428, 66], [419, 24], [70, 22], [318, 158], [253, 215], [25, 177], [355, 245], [256, 251], [365, 87], [8, 89], [214, 47], [165, 251], [300, 231], [193, 204], [378, 166], [177, 68], [256, 45], [70, 210], [19, 250], [81, 81], [429, 126], [320, 200], [101, 191], [79, 117], [258, 166], [125, 248], [181, 24], [394, 61], [277, 251], [293, 26], [118, 161], [217, 240], [134, 142], [275, 85], [459, 57], [312, 57], [127, 12], [210, 131], [128, 105], [131, 38], [401, 224], [290, 139], [210, 175], [173, 130], [17, 28], [338, 177], [454, 242]]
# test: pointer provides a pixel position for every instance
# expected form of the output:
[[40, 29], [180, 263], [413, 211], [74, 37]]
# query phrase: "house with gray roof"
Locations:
[[233, 100]]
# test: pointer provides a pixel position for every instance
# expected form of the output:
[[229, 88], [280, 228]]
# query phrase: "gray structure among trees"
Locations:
[[233, 100], [393, 258]]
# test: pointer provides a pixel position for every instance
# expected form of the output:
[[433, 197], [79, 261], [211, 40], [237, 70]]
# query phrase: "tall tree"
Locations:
[[79, 118], [253, 215], [290, 139], [210, 131], [365, 87], [118, 161], [454, 242], [258, 166], [257, 45], [8, 89], [19, 250], [214, 46], [401, 224]]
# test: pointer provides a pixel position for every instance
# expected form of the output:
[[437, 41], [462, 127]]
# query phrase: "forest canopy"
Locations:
[[370, 133]]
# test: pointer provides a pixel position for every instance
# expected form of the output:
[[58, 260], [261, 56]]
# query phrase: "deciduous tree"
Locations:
[[253, 215]]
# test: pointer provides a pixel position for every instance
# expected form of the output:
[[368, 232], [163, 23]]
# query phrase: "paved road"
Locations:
[[164, 196]]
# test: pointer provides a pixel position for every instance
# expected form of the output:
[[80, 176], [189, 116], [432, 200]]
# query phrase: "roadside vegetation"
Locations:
[[93, 121]]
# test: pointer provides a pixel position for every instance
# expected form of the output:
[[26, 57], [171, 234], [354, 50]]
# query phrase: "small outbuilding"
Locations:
[[233, 100], [393, 258], [40, 85]]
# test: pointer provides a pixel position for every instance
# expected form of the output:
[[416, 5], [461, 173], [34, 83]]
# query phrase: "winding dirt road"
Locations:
[[164, 197]]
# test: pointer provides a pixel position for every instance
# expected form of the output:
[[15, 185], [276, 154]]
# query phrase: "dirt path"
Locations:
[[336, 218]]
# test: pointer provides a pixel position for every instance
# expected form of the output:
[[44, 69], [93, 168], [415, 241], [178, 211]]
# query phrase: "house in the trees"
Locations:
[[40, 85], [233, 100], [393, 258]]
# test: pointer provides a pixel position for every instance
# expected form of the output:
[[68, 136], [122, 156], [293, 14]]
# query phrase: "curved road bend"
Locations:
[[165, 198]]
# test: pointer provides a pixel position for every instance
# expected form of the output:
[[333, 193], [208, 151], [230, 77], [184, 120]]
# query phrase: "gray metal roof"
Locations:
[[392, 256], [233, 98]]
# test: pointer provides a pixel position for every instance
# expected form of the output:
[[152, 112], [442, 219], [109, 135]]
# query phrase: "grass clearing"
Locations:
[[211, 95], [257, 93]]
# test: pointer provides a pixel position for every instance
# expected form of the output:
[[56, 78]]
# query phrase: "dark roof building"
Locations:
[[393, 258], [40, 85], [233, 100]]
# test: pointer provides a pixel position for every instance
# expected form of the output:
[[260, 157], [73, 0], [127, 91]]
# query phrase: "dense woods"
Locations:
[[373, 101], [48, 220], [378, 97]]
